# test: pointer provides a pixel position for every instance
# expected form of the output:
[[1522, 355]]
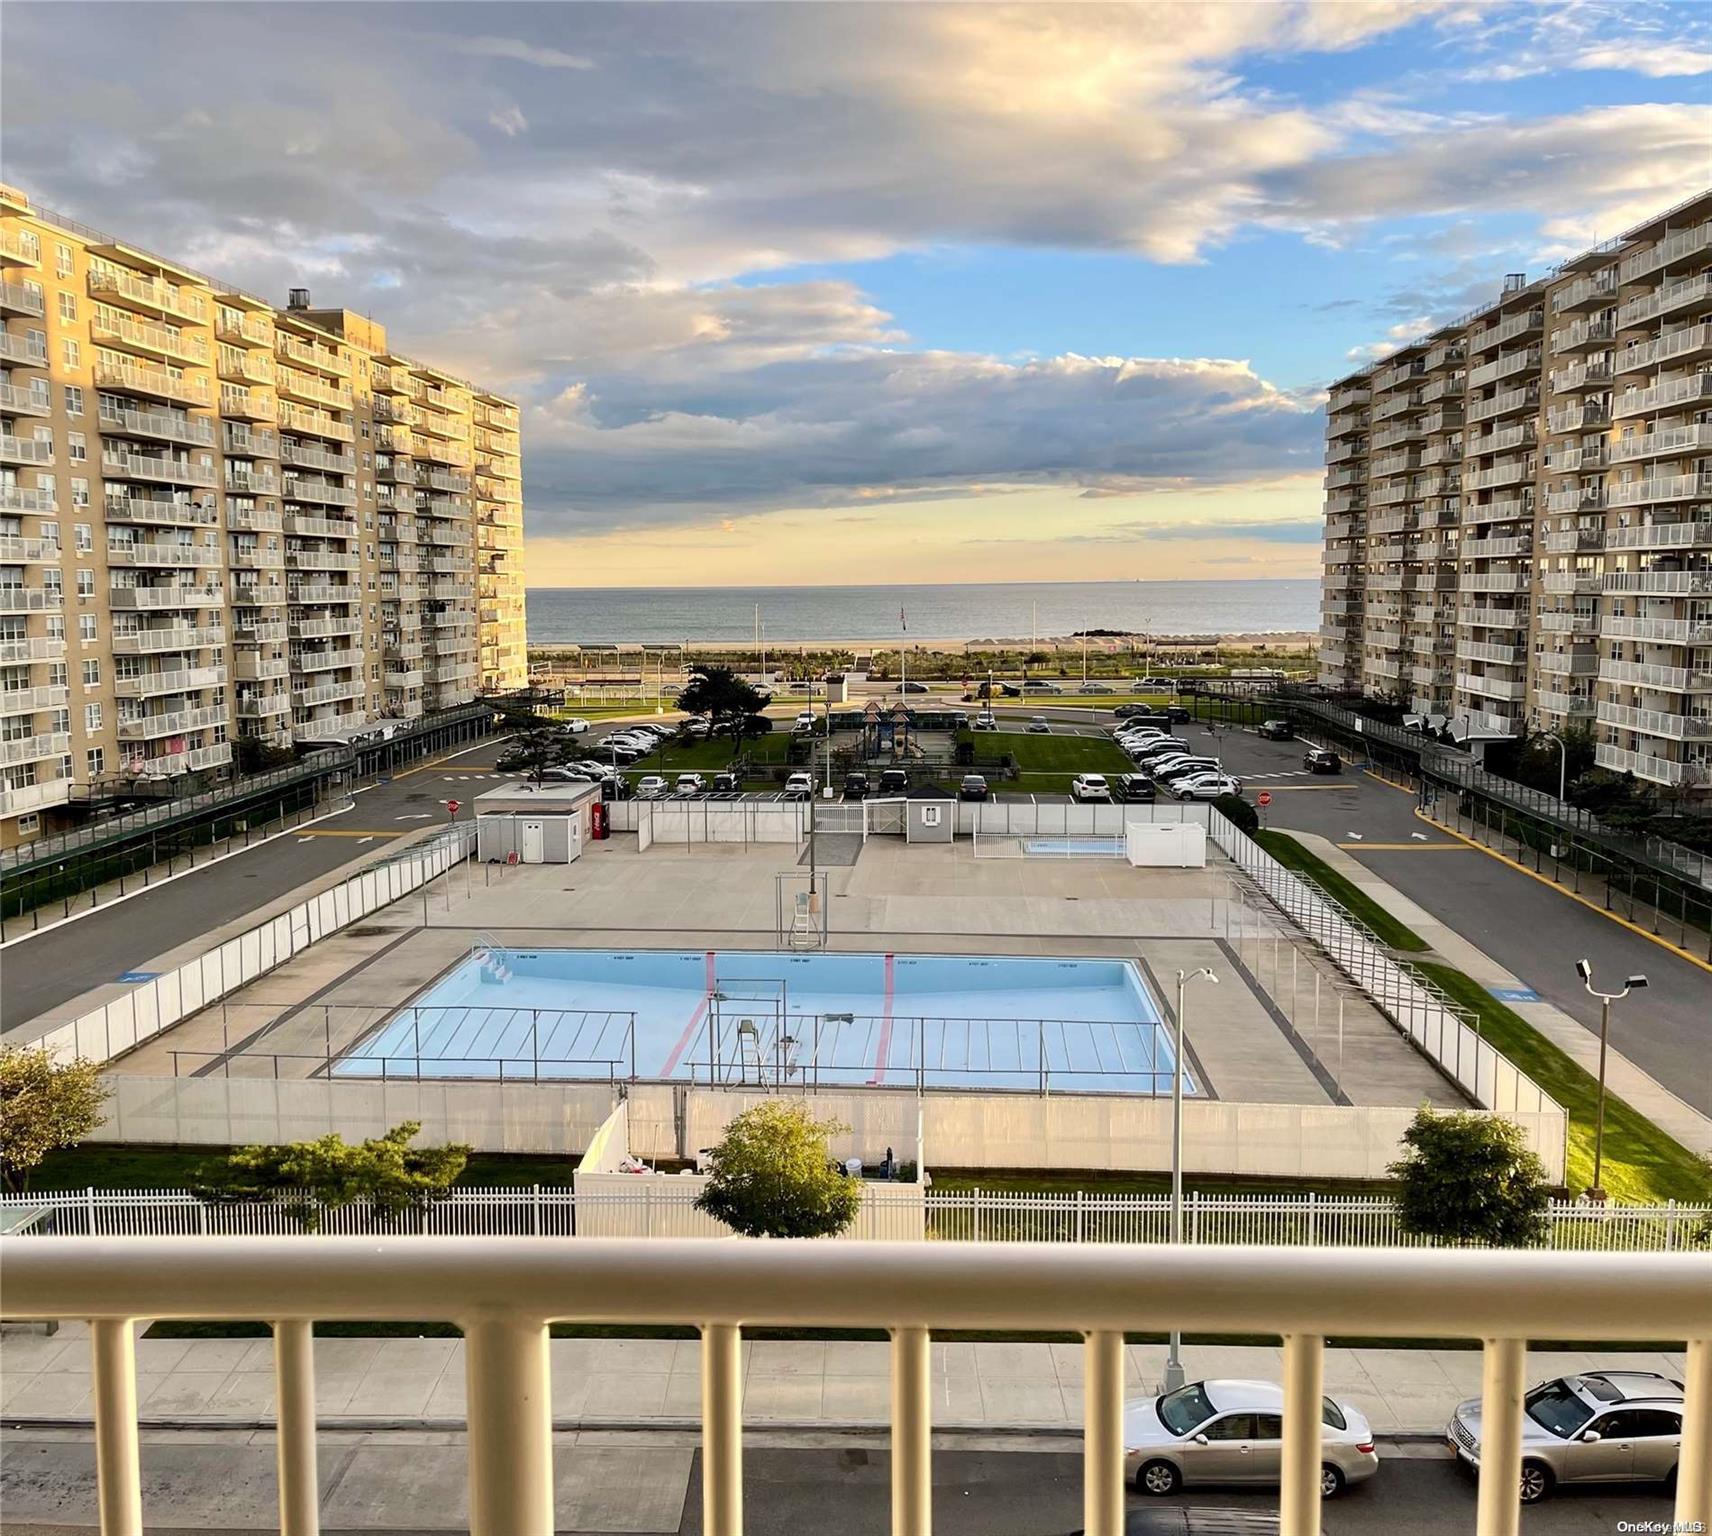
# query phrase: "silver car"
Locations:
[[1232, 1432], [1604, 1427]]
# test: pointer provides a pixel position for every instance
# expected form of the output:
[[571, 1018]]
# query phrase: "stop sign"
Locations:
[[1265, 797], [452, 806]]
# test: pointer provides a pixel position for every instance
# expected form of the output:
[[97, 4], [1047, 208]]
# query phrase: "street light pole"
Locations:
[[1562, 763], [1173, 1360], [1584, 969]]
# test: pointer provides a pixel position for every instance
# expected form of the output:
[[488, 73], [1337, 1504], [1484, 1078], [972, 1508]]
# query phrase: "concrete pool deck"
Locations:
[[895, 897]]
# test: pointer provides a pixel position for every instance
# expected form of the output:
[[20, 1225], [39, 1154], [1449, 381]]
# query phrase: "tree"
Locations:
[[329, 1172], [533, 736], [1470, 1180], [1238, 812], [44, 1105], [729, 702], [773, 1176]]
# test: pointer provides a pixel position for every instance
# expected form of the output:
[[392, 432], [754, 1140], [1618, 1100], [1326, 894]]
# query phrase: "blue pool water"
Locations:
[[938, 1021], [1073, 847]]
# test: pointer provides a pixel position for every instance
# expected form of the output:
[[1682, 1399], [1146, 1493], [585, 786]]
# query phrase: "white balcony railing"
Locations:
[[503, 1293]]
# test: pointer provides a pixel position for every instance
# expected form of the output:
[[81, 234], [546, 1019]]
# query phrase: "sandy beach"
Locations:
[[1096, 644]]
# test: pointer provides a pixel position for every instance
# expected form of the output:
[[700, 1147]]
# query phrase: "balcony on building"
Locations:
[[162, 468], [122, 419], [1683, 392], [150, 381], [1651, 766], [1665, 724], [1673, 248], [26, 452], [310, 422], [168, 511], [166, 595], [32, 399], [147, 295], [21, 351], [147, 338], [22, 300], [1688, 344], [168, 553], [1511, 402], [314, 455], [157, 682], [1674, 298], [166, 638]]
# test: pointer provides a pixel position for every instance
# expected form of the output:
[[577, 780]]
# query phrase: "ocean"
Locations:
[[971, 611]]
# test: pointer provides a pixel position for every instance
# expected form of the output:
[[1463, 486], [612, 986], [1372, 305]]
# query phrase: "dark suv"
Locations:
[[855, 786], [1322, 760], [894, 781], [1276, 730], [1135, 788]]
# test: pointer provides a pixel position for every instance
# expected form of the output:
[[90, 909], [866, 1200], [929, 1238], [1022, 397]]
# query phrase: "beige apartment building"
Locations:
[[1519, 509], [220, 519]]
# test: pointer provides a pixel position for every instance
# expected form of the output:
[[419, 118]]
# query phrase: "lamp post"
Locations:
[[1584, 969], [1173, 1360], [1562, 762]]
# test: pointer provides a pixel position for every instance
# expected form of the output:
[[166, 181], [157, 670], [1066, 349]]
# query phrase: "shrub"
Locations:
[[1238, 812], [1470, 1179], [773, 1176], [44, 1105]]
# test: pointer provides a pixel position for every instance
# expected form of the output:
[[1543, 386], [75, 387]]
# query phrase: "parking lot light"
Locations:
[[1584, 969], [1173, 1360]]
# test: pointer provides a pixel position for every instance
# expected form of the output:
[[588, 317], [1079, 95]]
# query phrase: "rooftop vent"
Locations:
[[299, 298]]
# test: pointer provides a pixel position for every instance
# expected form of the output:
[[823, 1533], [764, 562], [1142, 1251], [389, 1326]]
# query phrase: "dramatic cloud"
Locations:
[[576, 202]]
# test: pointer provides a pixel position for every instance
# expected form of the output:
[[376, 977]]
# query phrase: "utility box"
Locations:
[[930, 816]]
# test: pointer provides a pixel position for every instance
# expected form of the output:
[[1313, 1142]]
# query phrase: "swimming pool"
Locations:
[[1073, 847], [935, 1021]]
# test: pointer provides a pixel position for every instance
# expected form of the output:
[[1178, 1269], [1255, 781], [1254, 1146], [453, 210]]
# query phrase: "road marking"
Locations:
[[1282, 789], [1356, 836], [1406, 847], [1592, 906], [367, 836], [1420, 837], [413, 816]]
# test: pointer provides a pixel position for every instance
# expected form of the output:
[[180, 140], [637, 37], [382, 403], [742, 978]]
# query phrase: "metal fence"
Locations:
[[1078, 1216]]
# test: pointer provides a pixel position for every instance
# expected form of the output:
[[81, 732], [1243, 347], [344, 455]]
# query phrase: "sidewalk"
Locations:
[[1638, 1088], [626, 1383]]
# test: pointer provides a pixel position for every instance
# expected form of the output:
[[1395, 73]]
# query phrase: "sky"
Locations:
[[824, 293]]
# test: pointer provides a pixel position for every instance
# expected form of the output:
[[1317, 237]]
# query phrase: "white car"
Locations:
[[799, 786], [1090, 786], [1206, 786], [1233, 1432], [689, 784], [1129, 734], [650, 787], [805, 720], [576, 725]]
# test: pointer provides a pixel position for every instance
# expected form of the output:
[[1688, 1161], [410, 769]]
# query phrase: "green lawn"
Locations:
[[1642, 1164], [1292, 855], [1046, 764]]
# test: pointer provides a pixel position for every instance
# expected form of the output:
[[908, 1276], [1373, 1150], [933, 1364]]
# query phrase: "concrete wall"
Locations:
[[661, 1205]]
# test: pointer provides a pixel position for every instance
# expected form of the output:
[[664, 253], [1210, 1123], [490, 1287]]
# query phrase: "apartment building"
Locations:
[[222, 519], [1519, 509]]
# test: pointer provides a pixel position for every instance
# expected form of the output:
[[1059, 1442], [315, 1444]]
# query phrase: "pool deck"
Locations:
[[893, 898]]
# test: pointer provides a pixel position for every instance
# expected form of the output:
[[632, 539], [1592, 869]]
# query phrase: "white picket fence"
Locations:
[[1358, 1221]]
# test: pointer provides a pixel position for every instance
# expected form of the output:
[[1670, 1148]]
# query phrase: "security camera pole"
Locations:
[[1584, 969], [1173, 1361]]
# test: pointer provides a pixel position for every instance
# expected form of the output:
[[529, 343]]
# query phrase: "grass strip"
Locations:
[[1642, 1165], [1293, 856]]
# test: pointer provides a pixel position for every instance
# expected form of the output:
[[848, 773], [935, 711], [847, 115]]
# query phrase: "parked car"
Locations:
[[804, 720], [1038, 725], [1156, 685], [1139, 735], [1136, 788], [1011, 690], [1040, 685], [651, 787], [624, 751], [1182, 766], [1604, 1427], [1276, 730], [855, 786], [1093, 688], [1205, 786], [696, 728], [985, 721], [568, 774], [1126, 711], [973, 787], [1233, 1432], [894, 781], [689, 784], [1157, 750], [516, 760], [576, 725], [799, 786], [1090, 786], [725, 785], [616, 787], [1149, 717], [912, 688], [1176, 713], [1322, 760]]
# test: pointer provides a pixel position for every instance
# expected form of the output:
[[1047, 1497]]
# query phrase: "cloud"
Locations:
[[509, 120], [516, 51]]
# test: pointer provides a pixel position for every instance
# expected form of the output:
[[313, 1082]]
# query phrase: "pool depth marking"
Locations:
[[695, 1019], [883, 1053]]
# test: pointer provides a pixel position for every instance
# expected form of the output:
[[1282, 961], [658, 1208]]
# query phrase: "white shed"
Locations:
[[539, 824]]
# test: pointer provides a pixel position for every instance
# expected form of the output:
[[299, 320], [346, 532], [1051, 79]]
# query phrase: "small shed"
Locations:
[[539, 824], [930, 816]]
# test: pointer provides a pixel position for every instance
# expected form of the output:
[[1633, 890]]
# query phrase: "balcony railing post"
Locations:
[[1502, 1381], [118, 1473], [1694, 1475], [721, 1430], [510, 1428], [299, 1486], [1304, 1373], [1102, 1433], [912, 1450]]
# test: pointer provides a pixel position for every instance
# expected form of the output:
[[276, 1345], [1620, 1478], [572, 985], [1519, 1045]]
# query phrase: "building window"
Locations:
[[68, 351], [67, 307], [92, 717], [86, 626], [95, 761], [77, 447], [73, 400], [30, 821], [62, 261], [92, 674], [85, 581], [82, 533], [79, 491]]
